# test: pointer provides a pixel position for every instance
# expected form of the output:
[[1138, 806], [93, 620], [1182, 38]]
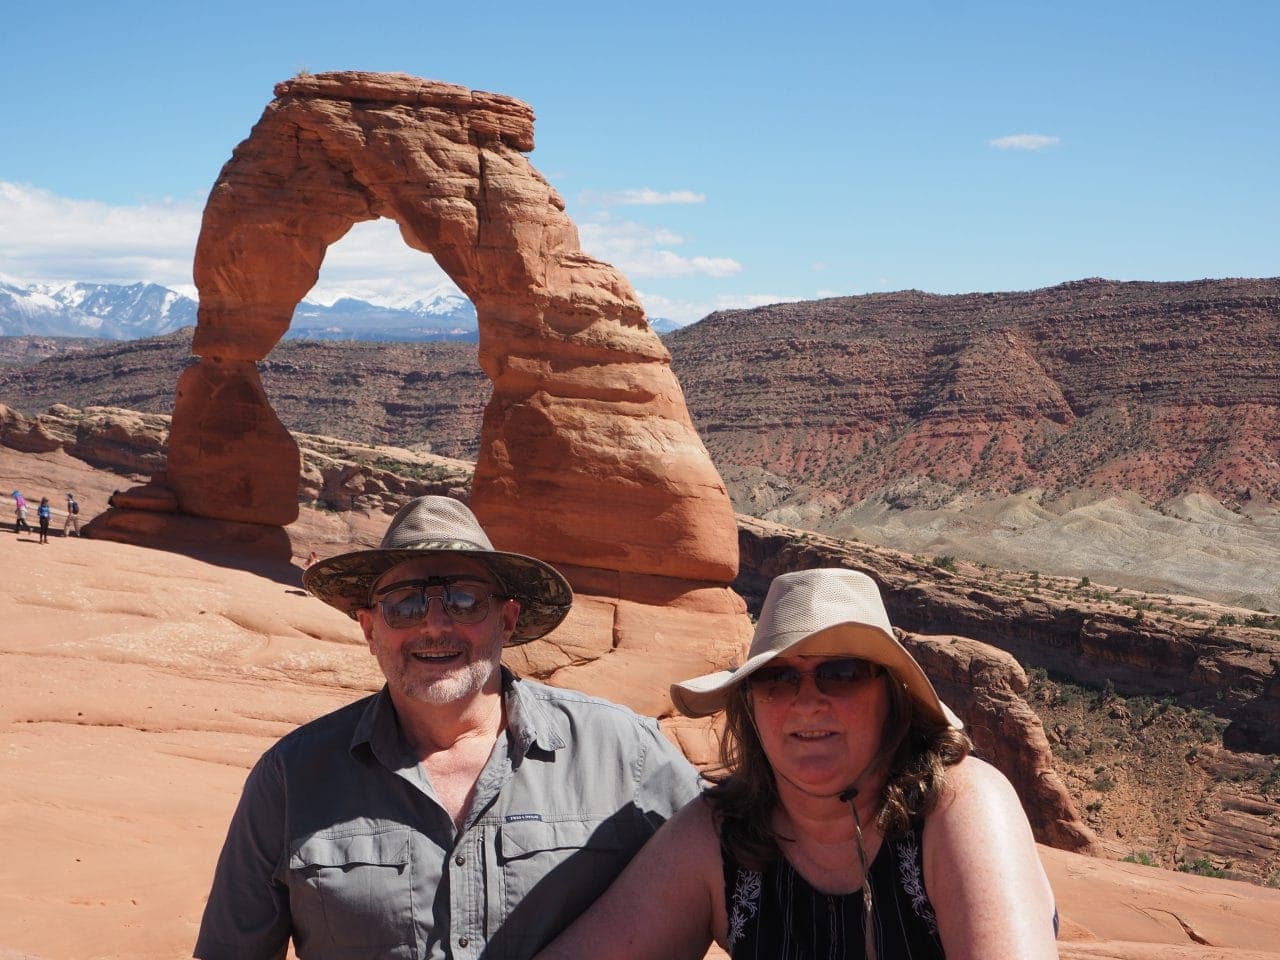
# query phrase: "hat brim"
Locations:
[[346, 581], [705, 695]]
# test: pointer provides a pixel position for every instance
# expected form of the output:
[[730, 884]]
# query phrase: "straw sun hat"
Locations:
[[825, 612], [441, 526]]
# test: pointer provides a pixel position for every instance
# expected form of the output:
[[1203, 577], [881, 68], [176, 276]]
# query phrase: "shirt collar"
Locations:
[[529, 723]]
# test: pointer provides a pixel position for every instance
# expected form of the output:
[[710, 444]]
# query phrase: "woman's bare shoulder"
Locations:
[[972, 782]]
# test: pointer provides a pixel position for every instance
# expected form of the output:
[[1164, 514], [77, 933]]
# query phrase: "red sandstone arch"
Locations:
[[587, 455]]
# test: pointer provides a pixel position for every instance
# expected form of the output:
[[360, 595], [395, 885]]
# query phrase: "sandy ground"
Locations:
[[137, 687]]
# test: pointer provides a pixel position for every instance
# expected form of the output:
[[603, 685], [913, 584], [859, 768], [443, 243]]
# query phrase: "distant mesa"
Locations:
[[587, 456]]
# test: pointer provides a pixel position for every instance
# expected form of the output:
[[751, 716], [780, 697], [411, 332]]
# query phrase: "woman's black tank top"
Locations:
[[776, 915]]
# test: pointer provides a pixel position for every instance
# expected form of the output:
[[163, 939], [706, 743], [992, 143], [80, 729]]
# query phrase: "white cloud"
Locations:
[[44, 237], [372, 262], [639, 250], [685, 312], [640, 197], [1024, 141]]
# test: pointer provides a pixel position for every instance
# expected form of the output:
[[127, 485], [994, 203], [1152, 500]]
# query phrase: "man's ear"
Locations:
[[364, 616], [510, 616]]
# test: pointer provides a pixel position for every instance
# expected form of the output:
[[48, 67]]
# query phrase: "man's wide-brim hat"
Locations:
[[441, 526], [825, 612]]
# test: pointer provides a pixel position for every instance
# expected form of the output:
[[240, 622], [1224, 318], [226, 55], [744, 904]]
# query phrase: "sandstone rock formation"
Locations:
[[29, 436], [587, 454], [985, 686]]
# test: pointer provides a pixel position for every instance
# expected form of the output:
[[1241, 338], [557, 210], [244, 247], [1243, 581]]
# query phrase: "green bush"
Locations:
[[1142, 857], [1202, 867], [944, 561]]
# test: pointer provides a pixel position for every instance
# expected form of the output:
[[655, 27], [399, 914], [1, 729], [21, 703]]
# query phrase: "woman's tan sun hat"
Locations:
[[823, 612], [433, 526]]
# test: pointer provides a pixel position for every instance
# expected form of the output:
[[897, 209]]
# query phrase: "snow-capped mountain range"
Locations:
[[129, 312], [112, 311]]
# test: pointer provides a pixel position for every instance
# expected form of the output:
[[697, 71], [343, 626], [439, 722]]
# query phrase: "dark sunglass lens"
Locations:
[[404, 607], [838, 677], [774, 683], [465, 604]]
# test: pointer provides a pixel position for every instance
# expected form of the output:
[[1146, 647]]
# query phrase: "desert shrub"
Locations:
[[1206, 727], [1084, 582], [1142, 857], [1270, 785], [1227, 620], [1202, 867], [1104, 783], [944, 561]]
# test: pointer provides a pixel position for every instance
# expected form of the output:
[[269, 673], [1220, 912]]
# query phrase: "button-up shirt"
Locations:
[[340, 842]]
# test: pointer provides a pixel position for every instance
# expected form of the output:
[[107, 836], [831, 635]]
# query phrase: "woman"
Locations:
[[841, 763], [44, 513], [20, 514]]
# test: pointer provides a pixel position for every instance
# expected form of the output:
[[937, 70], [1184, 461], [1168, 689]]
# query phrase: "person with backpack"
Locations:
[[43, 513], [73, 516], [20, 513]]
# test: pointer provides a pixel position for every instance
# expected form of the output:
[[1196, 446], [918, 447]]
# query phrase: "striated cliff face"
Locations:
[[1154, 388]]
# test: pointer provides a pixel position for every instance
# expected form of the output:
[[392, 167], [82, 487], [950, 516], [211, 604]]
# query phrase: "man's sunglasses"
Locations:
[[833, 678], [406, 603]]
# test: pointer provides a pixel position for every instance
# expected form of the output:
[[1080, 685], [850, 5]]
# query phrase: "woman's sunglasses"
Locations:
[[405, 604], [833, 678]]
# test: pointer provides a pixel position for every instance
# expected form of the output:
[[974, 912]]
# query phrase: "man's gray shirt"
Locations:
[[339, 841]]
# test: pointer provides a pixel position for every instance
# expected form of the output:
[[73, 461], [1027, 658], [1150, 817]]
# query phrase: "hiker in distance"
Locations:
[[72, 521], [459, 812], [849, 821]]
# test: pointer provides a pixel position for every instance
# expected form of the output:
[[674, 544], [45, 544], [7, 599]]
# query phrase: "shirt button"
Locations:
[[460, 860], [463, 941]]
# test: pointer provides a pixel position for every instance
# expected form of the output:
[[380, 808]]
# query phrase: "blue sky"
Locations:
[[720, 154]]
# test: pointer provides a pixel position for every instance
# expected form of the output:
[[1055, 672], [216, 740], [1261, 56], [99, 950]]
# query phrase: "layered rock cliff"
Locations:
[[1154, 388]]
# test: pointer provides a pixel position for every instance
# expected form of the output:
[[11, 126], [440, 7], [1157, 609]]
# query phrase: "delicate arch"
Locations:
[[587, 453]]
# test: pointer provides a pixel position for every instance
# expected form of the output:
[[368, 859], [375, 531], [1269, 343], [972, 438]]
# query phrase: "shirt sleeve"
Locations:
[[667, 780], [247, 916]]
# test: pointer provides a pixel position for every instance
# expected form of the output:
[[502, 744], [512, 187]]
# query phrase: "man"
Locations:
[[73, 516], [461, 812]]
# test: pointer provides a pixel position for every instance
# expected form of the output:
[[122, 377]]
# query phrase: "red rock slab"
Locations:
[[1129, 904]]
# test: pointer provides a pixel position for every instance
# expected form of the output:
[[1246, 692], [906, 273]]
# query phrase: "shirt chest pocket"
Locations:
[[353, 891], [555, 870]]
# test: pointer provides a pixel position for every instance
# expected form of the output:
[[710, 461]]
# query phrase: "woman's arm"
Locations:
[[667, 903], [982, 872]]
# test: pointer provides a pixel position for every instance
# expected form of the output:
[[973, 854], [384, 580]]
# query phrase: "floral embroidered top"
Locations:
[[776, 915]]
